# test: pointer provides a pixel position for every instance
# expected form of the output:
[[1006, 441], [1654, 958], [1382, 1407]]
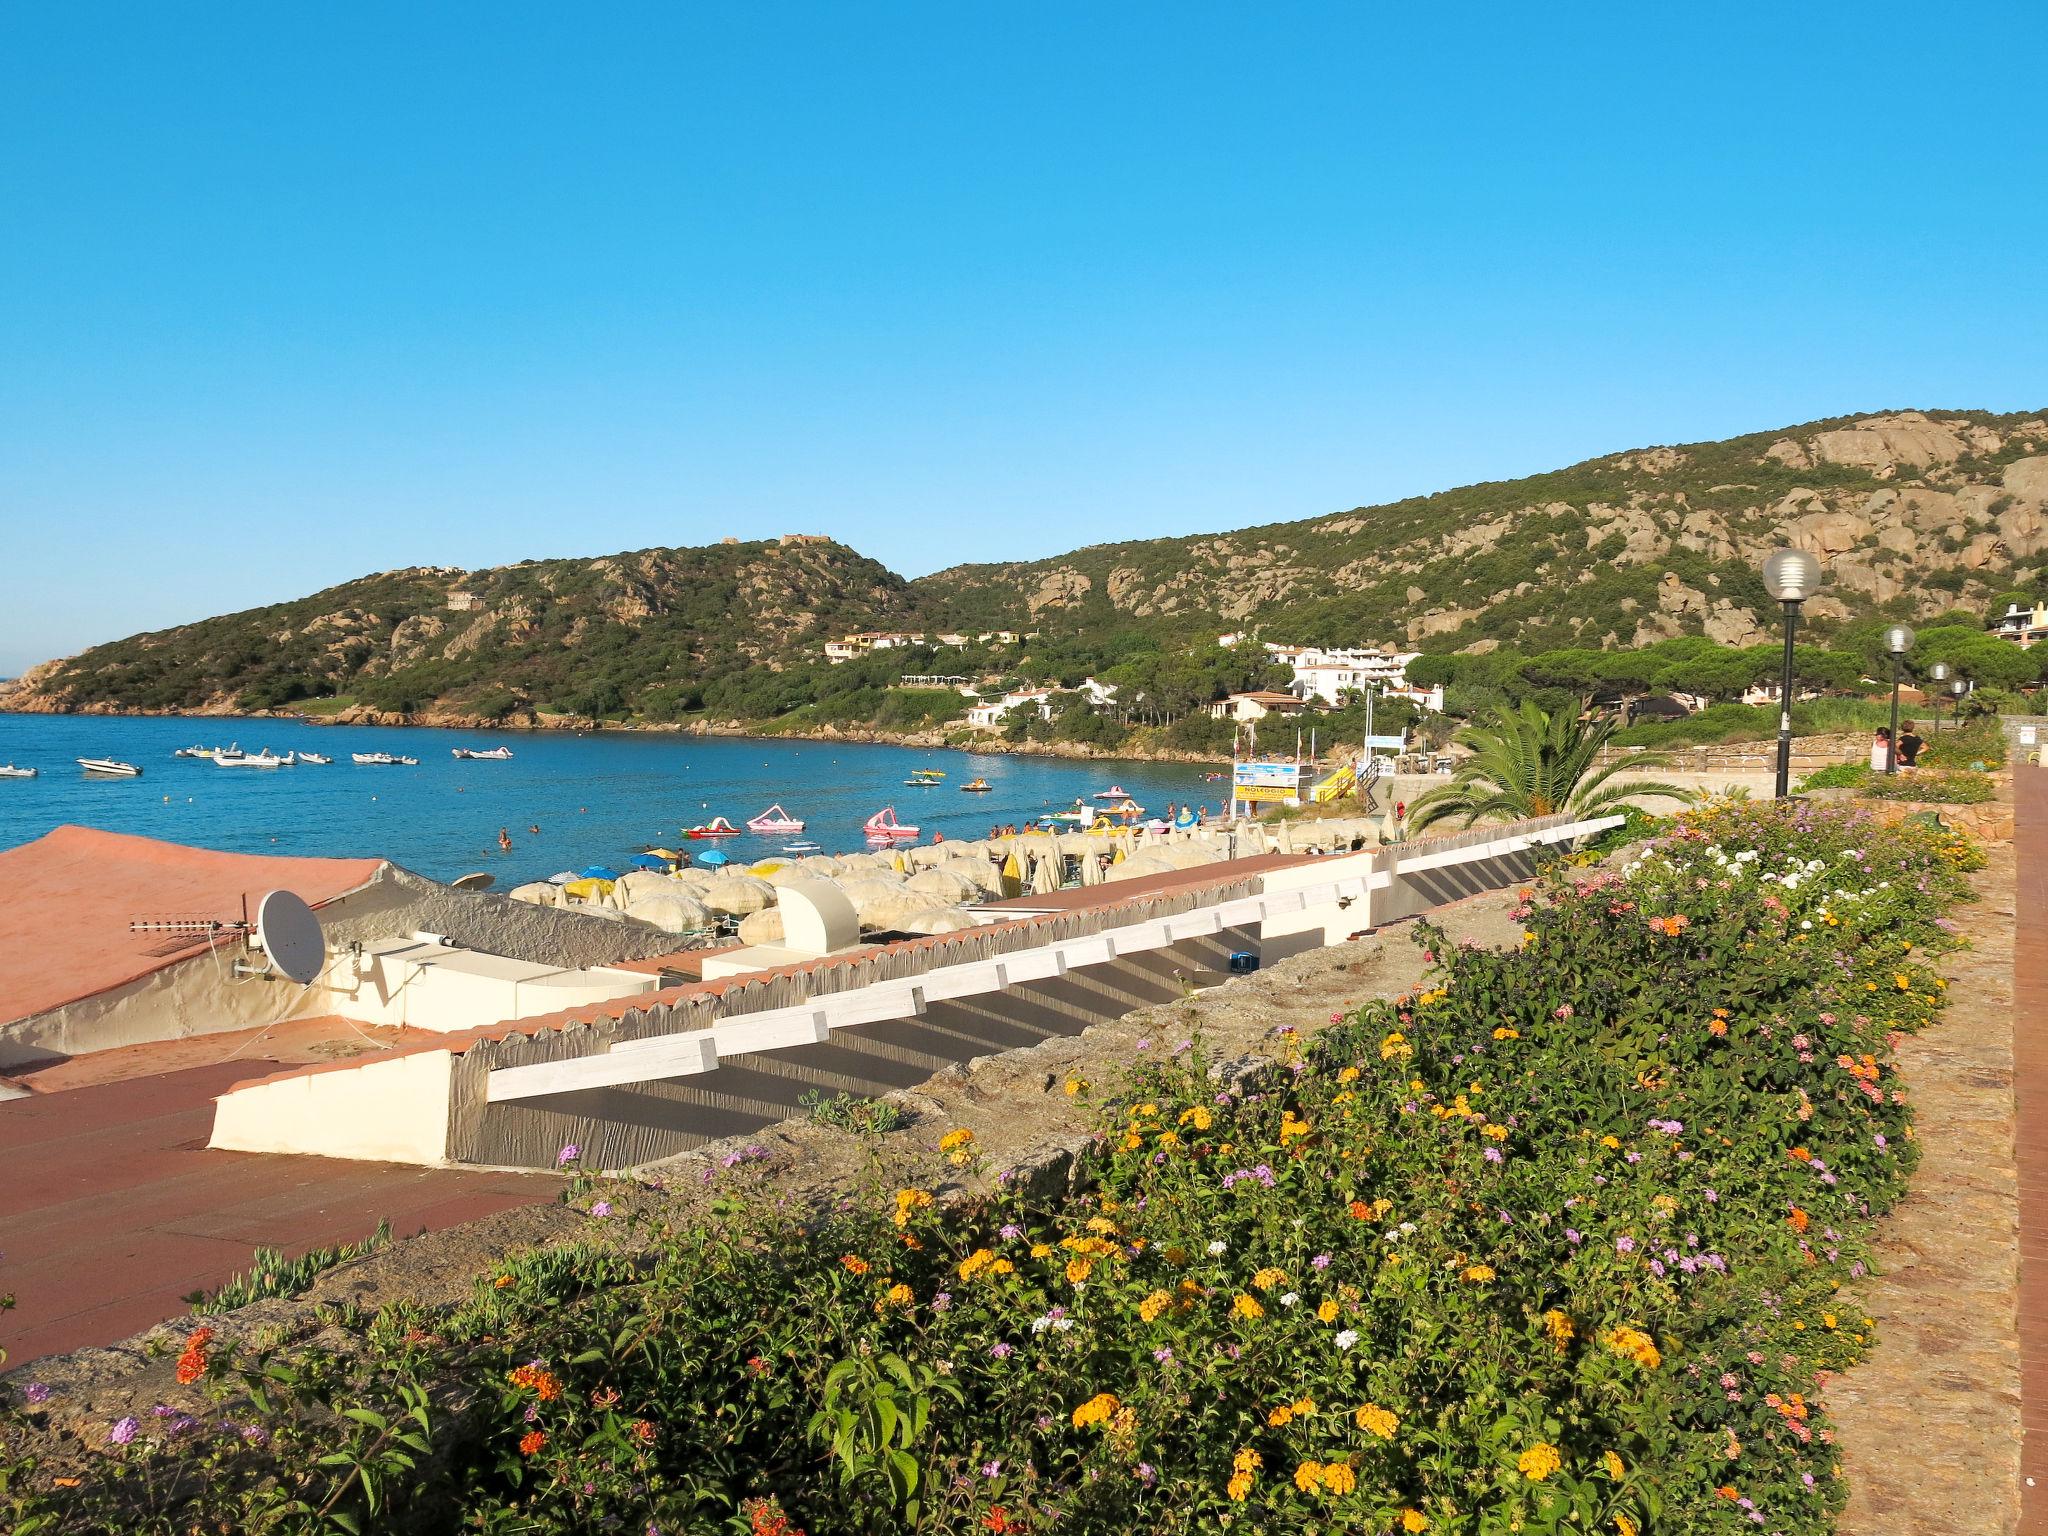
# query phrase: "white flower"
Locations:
[[1806, 922], [1217, 1247], [1347, 1338], [1290, 1299]]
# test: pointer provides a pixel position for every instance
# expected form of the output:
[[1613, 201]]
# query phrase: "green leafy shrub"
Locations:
[[1554, 1243], [1935, 788]]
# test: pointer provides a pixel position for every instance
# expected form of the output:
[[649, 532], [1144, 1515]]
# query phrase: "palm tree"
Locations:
[[1532, 762]]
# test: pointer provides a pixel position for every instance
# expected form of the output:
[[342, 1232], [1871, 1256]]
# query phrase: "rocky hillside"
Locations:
[[1915, 513], [640, 632]]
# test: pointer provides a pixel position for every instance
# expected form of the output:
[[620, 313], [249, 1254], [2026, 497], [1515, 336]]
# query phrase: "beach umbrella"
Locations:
[[891, 912], [712, 858], [1045, 877], [1139, 865], [540, 894], [562, 878], [738, 895], [598, 872], [821, 864], [761, 927], [671, 912], [649, 861], [669, 854], [940, 920], [766, 867], [945, 884], [589, 889]]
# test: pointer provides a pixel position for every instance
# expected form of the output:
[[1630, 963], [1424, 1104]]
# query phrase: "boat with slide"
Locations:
[[384, 760], [264, 759], [717, 826], [9, 771], [978, 787], [775, 821], [493, 755], [1114, 793], [109, 767], [884, 826]]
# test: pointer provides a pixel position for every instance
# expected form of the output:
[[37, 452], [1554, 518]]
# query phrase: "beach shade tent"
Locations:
[[945, 884], [671, 912], [540, 894], [763, 927], [562, 877], [821, 864], [636, 883], [738, 895], [893, 912], [940, 920], [598, 872], [649, 861], [712, 857], [1139, 865]]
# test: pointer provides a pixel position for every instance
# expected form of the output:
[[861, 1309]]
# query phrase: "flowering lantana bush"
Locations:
[[1558, 1242]]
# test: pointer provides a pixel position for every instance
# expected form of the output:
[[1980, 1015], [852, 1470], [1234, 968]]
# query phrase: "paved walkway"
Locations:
[[2030, 1092], [113, 1208]]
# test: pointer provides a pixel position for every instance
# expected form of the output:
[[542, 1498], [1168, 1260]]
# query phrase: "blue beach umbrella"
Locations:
[[598, 872], [712, 857], [648, 861]]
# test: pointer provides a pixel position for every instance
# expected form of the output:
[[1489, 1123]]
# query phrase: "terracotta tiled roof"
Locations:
[[67, 898]]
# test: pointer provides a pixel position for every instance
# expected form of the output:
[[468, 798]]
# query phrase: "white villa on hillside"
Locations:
[[1255, 706], [2023, 626], [995, 711], [1328, 675]]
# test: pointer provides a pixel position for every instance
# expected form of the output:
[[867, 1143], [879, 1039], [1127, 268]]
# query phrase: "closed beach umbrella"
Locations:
[[540, 893], [1045, 875], [738, 895], [671, 912], [635, 883]]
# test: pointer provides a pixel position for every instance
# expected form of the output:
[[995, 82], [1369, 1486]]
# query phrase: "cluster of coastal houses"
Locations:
[[1323, 676]]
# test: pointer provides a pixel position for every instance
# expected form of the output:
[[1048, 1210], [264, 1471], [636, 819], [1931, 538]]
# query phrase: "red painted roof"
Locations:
[[67, 898]]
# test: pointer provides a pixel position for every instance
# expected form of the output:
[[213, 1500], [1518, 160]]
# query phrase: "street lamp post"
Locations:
[[1898, 640], [1939, 674], [1958, 688], [1791, 576]]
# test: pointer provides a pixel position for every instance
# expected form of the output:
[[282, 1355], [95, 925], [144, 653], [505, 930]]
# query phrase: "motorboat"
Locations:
[[492, 755], [978, 787], [384, 760], [803, 847], [315, 758], [196, 752], [264, 759], [775, 821], [884, 825], [9, 771], [1115, 792], [1079, 816], [717, 826], [111, 767]]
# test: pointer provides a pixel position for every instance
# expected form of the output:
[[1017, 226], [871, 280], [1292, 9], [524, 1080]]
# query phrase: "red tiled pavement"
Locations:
[[2030, 1093], [113, 1207]]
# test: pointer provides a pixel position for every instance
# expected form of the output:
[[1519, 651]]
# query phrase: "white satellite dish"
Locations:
[[289, 933]]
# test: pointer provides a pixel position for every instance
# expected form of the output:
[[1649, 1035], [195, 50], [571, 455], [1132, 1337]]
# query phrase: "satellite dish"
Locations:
[[481, 881], [289, 933]]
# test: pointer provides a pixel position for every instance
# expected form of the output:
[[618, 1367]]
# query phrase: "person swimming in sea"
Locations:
[[505, 839]]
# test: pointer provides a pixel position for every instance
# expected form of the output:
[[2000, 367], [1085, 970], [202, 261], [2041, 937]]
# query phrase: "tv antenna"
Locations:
[[285, 930]]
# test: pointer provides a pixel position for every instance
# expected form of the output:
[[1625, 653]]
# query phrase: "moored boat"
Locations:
[[1113, 793], [488, 755], [264, 759], [883, 824], [804, 847], [316, 758], [717, 826], [775, 820], [384, 760], [195, 752], [9, 771], [111, 767], [978, 787]]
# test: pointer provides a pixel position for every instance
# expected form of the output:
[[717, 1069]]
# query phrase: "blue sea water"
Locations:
[[597, 799]]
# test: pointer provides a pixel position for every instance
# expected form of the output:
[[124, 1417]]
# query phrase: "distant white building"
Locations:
[[1328, 674], [1099, 694], [847, 648], [1255, 706], [995, 711], [2022, 626]]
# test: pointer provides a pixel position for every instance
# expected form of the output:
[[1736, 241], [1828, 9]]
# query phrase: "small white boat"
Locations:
[[195, 752], [9, 771], [1113, 793], [384, 760], [315, 758], [803, 847], [264, 759], [775, 820], [111, 767], [493, 755]]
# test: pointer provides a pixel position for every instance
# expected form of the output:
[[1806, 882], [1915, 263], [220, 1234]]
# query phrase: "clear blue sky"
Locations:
[[290, 293]]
